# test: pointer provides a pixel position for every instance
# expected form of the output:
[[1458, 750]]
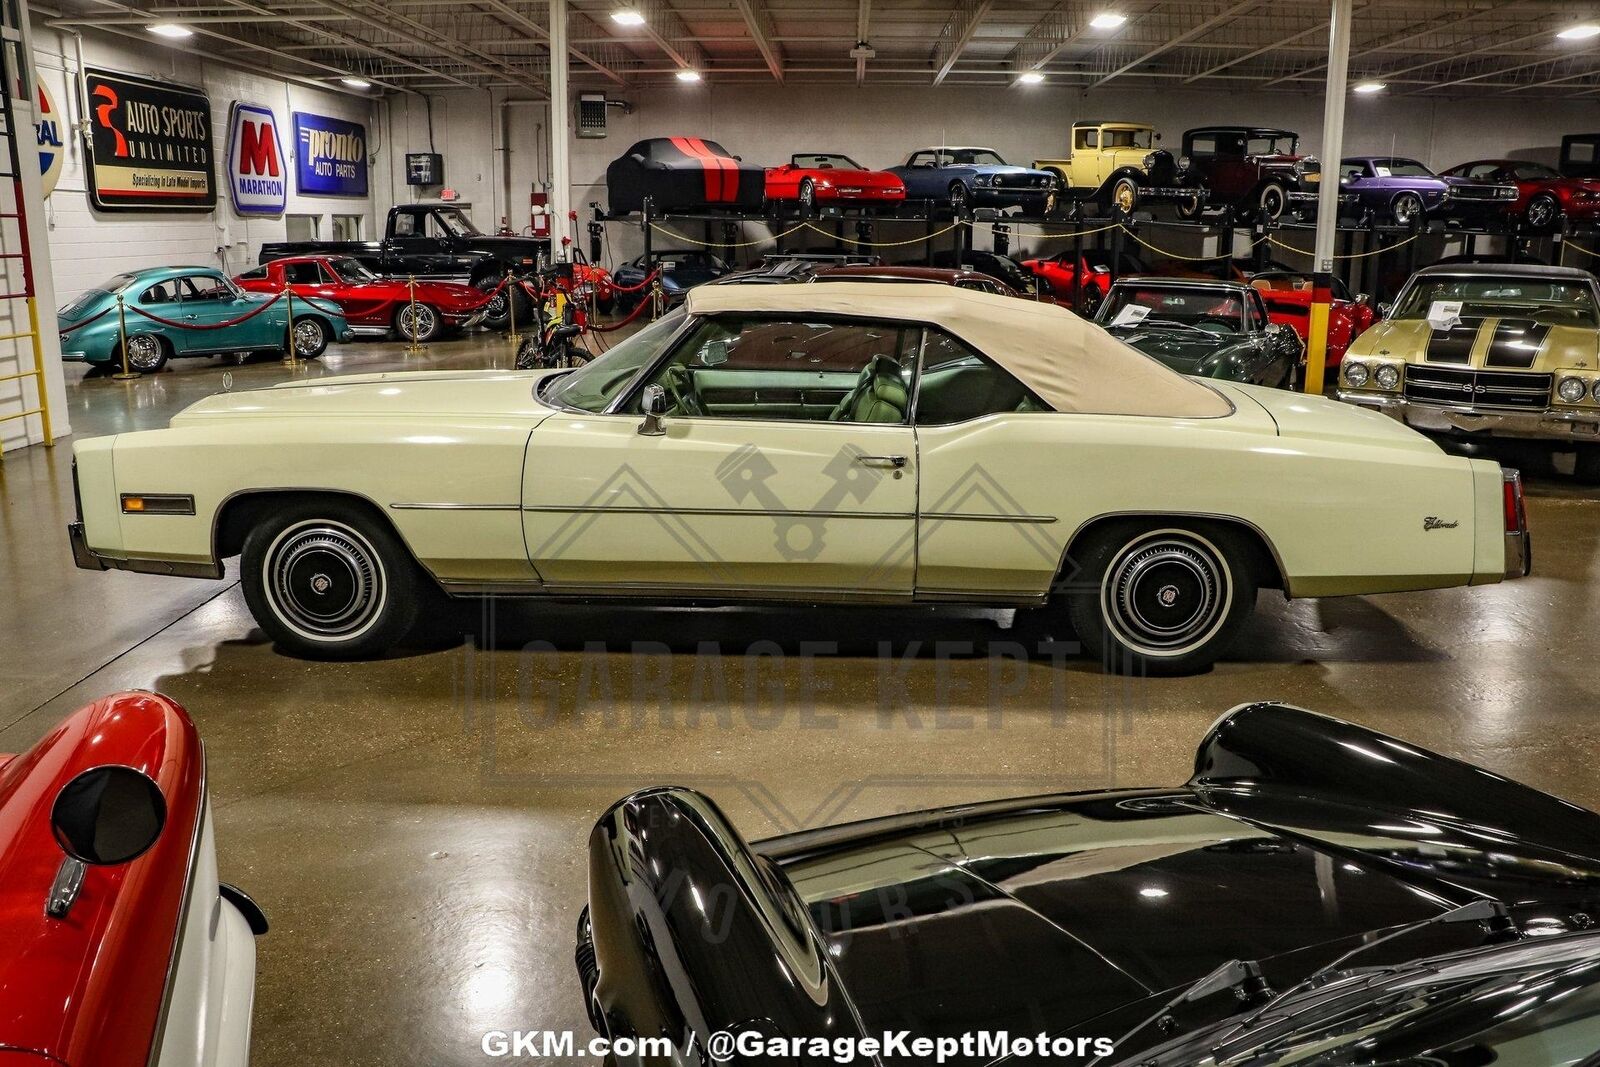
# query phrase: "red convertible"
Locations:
[[812, 178], [1543, 194], [1059, 276], [121, 948], [1287, 295], [374, 306]]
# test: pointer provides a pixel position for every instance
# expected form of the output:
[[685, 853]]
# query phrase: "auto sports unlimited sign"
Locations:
[[150, 146], [258, 181], [330, 156]]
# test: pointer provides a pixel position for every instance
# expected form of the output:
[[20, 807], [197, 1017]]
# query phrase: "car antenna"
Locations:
[[1490, 912], [1242, 976]]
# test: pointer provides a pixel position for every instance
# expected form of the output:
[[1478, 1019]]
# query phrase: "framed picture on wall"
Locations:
[[149, 145]]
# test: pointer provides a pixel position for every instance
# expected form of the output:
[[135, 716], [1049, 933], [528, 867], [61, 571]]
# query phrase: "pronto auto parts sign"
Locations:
[[258, 181], [150, 146], [330, 156]]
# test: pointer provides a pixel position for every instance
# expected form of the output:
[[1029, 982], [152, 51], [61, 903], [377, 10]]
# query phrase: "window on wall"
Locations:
[[302, 227], [347, 228]]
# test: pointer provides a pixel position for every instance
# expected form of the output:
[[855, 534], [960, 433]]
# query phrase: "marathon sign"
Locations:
[[330, 156], [149, 145], [258, 178]]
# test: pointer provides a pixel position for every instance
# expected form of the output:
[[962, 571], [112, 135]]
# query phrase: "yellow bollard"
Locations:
[[413, 349], [126, 374], [290, 357]]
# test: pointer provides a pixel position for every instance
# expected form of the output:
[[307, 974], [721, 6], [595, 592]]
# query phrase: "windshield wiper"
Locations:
[[1491, 912], [1241, 976]]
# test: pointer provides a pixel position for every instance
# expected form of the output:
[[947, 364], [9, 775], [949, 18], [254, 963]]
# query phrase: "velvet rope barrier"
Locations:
[[173, 324]]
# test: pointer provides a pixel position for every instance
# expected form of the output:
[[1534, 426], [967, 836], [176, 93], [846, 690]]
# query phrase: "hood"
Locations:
[[1501, 343], [445, 393], [857, 177]]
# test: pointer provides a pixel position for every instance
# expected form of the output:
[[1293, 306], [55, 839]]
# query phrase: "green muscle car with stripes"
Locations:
[[1488, 350]]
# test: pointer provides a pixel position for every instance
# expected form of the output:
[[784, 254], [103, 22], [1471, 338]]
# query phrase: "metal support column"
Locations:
[[1328, 192], [560, 133]]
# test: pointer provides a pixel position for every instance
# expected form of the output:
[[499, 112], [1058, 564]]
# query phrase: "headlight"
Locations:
[[1572, 390], [1387, 376], [1508, 193], [1150, 160], [983, 179], [1356, 374], [1596, 393]]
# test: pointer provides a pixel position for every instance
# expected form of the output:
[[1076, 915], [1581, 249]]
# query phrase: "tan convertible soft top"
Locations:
[[1072, 364]]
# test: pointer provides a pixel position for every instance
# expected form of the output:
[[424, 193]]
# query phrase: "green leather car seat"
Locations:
[[879, 395]]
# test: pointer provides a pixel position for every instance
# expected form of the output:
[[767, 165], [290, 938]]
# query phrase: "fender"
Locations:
[[1316, 776], [693, 933]]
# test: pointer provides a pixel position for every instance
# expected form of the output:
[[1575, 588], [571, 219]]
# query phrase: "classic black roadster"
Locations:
[[1317, 893]]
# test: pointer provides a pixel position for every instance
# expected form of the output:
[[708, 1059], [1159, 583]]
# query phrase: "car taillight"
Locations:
[[1516, 515]]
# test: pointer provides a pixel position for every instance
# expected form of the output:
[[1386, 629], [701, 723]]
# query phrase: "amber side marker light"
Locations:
[[157, 504]]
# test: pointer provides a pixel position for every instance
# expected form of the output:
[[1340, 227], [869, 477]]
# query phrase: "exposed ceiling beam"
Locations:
[[1194, 31], [349, 41], [663, 26], [1062, 25], [957, 34], [1405, 36], [521, 21], [1321, 27], [759, 22]]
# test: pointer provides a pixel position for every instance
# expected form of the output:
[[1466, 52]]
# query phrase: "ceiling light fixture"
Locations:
[[1581, 32], [1108, 20], [687, 75], [1031, 77], [1370, 87], [357, 83], [627, 17], [172, 31]]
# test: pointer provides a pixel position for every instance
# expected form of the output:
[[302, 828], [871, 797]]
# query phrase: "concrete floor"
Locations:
[[414, 827]]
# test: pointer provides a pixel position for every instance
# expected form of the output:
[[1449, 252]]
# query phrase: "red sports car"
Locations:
[[117, 943], [1060, 277], [812, 178], [374, 306], [1543, 194], [1287, 295]]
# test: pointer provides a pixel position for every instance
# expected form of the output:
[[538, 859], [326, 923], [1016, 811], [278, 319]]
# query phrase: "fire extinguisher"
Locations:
[[540, 204]]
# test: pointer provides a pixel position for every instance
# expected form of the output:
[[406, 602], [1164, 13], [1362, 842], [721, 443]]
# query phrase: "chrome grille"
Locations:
[[1021, 181], [1464, 387]]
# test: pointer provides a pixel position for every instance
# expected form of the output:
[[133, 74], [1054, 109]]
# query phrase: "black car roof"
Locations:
[[1249, 131], [1147, 280]]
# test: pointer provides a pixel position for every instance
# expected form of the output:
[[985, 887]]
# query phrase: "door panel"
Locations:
[[722, 505]]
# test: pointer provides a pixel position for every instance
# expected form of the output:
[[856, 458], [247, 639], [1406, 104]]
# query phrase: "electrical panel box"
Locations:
[[424, 168], [591, 114]]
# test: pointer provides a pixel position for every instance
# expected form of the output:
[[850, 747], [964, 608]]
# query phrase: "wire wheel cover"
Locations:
[[144, 352], [324, 580], [307, 336], [1166, 594]]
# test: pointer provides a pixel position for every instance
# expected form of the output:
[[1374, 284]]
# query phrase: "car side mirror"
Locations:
[[104, 817], [654, 405], [1158, 137], [1362, 298]]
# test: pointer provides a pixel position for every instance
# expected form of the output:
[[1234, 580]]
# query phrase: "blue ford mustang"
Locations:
[[974, 177], [208, 315]]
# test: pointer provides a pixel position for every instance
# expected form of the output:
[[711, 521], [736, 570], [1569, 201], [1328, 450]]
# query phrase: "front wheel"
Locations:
[[1274, 199], [1124, 195], [1544, 214], [310, 338], [1189, 208], [327, 581], [808, 195], [419, 323], [1160, 599], [1406, 208]]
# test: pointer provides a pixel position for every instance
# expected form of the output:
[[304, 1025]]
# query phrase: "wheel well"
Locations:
[[1263, 560], [1060, 173], [241, 513]]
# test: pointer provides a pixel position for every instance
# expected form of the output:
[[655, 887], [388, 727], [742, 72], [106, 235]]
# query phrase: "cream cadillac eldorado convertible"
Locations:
[[853, 443]]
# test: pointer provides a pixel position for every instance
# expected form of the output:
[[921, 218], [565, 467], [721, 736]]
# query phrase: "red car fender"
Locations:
[[89, 989]]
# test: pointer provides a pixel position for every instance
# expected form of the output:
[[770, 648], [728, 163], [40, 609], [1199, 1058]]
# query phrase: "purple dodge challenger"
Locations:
[[1399, 190]]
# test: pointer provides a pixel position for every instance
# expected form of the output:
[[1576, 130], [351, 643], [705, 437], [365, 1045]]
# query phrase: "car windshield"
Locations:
[[670, 261], [825, 161], [1219, 311], [353, 270], [1551, 303], [455, 223], [979, 157], [1270, 145], [593, 386], [1127, 138], [1400, 168]]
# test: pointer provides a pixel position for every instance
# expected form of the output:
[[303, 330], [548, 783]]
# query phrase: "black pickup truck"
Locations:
[[432, 241]]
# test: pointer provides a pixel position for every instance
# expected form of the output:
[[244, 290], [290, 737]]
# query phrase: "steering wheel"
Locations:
[[1232, 325], [685, 394]]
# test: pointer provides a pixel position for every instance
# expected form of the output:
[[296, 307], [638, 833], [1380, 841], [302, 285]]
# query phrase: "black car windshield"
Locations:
[[1400, 168], [1551, 303], [353, 270], [593, 386], [1219, 311], [977, 157], [1270, 145], [825, 161]]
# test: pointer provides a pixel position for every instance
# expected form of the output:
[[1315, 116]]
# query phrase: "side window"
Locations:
[[326, 275], [959, 384], [255, 274], [405, 225], [921, 159], [160, 293], [1203, 146], [1088, 139], [204, 287], [1258, 311], [762, 367], [304, 273]]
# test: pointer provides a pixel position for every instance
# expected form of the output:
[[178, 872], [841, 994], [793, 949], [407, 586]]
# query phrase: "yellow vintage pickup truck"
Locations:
[[1116, 164]]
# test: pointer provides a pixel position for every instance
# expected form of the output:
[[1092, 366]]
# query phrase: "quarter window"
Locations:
[[959, 384]]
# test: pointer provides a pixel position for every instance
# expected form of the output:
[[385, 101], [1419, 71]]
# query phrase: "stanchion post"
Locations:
[[655, 297], [413, 349], [1078, 273], [127, 374], [291, 358], [511, 314]]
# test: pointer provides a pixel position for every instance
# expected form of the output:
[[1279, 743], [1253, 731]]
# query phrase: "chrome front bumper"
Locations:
[[1549, 424]]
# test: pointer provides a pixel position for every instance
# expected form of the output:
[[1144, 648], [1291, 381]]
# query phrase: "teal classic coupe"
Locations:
[[190, 311]]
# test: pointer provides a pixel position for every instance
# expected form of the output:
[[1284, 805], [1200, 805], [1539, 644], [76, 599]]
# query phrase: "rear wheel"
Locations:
[[147, 353], [310, 338], [1161, 599], [960, 199], [417, 322], [326, 580]]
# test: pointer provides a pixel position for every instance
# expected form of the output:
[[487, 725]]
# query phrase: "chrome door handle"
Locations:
[[882, 461], [191, 318]]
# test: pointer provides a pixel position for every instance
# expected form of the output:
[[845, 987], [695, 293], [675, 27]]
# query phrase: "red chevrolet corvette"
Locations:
[[1059, 277], [118, 945], [1287, 295], [829, 178], [374, 306], [1543, 194]]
